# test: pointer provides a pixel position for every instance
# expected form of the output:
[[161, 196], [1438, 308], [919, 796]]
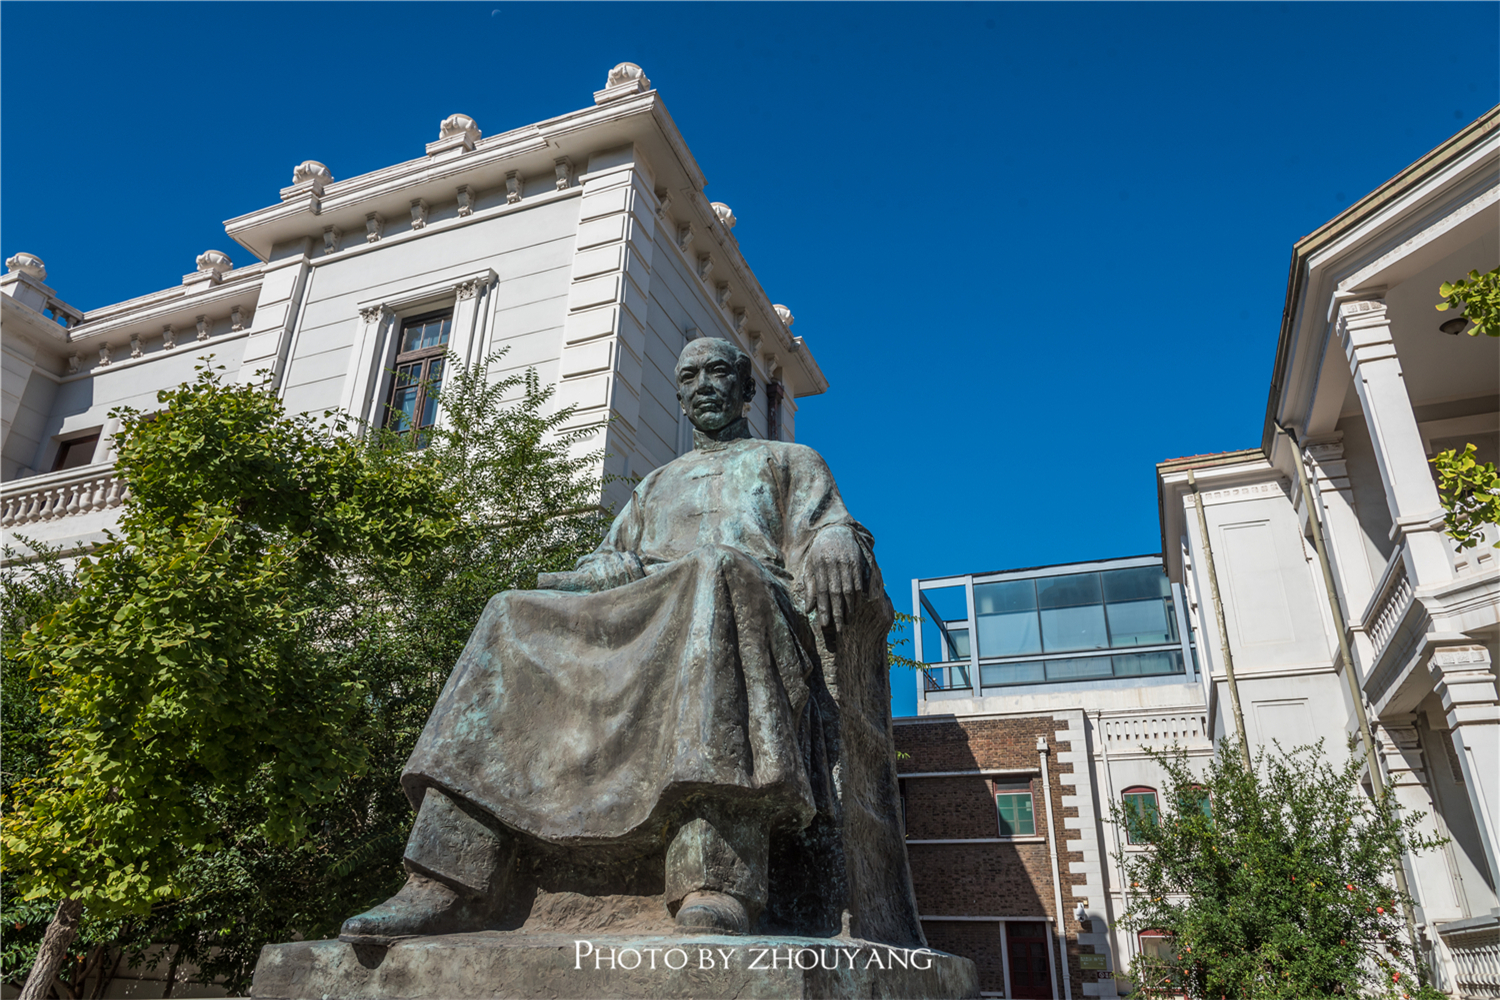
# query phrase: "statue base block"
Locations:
[[511, 965]]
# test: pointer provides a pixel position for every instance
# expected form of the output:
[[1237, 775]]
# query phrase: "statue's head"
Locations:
[[713, 383]]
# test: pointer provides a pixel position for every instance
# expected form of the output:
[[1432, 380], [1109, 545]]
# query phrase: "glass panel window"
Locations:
[[1157, 944], [1005, 598], [1068, 591], [1166, 661], [1006, 618], [1135, 584], [1013, 805], [1009, 635], [1142, 623], [995, 674], [1140, 813], [421, 334], [418, 374], [1078, 668], [958, 641], [941, 605], [1066, 629]]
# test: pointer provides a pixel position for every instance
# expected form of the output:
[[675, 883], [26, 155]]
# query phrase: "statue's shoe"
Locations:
[[713, 913], [423, 906]]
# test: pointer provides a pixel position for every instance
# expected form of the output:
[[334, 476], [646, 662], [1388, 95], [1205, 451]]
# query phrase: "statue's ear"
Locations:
[[749, 389]]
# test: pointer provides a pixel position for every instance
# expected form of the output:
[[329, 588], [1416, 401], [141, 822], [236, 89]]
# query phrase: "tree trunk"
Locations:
[[49, 957]]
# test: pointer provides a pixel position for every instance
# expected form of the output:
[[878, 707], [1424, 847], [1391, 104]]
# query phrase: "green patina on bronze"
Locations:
[[692, 726]]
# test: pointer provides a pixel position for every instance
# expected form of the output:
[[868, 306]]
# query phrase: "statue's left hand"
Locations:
[[837, 576]]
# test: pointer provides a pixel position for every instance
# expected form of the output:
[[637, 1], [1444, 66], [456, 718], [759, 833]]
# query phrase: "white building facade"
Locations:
[[1369, 383], [584, 244]]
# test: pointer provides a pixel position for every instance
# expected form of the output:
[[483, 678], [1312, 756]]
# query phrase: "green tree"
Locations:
[[1470, 492], [277, 617], [1270, 883], [1478, 295]]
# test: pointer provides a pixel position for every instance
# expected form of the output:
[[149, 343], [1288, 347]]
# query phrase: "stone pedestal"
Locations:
[[510, 965]]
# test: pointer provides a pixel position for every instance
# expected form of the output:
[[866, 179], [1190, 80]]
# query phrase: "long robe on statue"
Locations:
[[683, 672]]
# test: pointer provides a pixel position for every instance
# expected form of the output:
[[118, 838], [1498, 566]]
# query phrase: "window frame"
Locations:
[[1012, 787], [425, 356], [65, 445], [367, 380], [1126, 807]]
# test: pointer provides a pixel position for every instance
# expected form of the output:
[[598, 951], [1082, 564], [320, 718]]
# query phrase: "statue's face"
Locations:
[[709, 384]]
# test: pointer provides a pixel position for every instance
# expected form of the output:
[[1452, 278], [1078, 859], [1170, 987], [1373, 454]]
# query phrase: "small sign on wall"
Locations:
[[1096, 962]]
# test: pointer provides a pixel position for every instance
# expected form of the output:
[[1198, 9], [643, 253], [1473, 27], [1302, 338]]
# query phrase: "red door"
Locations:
[[1028, 945]]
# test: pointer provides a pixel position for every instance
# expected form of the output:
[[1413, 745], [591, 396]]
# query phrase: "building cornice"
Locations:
[[1217, 473], [1434, 170]]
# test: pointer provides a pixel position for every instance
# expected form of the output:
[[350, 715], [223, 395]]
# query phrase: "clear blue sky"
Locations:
[[1035, 247]]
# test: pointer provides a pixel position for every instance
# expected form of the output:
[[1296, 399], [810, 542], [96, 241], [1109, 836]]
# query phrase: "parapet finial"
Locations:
[[28, 264]]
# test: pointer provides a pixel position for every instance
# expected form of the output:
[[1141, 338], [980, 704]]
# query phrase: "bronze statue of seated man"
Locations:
[[662, 697]]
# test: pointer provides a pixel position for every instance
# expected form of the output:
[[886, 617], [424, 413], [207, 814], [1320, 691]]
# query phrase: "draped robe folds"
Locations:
[[682, 673]]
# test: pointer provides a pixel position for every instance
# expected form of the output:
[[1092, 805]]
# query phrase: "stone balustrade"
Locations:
[[1388, 604], [1130, 733], [1475, 947], [60, 494]]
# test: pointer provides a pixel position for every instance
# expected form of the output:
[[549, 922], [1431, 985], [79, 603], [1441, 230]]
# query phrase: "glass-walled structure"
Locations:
[[1081, 622]]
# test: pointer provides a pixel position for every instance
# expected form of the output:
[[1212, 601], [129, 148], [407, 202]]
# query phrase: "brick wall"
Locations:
[[1009, 878], [978, 941]]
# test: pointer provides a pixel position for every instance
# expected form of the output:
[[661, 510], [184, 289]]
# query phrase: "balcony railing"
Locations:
[[949, 678], [1388, 604], [1125, 734], [60, 494], [1475, 947]]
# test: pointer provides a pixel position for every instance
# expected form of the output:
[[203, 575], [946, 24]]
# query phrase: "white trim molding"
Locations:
[[367, 378]]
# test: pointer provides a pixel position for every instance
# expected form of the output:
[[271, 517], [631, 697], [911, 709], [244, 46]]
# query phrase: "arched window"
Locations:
[[1141, 812]]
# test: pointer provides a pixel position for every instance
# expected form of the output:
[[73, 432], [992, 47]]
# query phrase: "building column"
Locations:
[[604, 333], [1400, 746], [1464, 679], [1365, 331], [1346, 543], [283, 284]]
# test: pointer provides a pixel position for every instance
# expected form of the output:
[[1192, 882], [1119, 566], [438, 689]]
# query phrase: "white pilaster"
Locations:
[[370, 343], [604, 334], [1365, 331], [283, 284], [1464, 678], [1400, 746], [1346, 545]]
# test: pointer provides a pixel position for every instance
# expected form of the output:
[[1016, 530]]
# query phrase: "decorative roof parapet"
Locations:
[[785, 315], [725, 214], [216, 261], [625, 80], [212, 266], [308, 178], [28, 264], [456, 135]]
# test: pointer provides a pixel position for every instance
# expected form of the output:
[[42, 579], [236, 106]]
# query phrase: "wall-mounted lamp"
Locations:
[[1454, 326], [1081, 913]]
